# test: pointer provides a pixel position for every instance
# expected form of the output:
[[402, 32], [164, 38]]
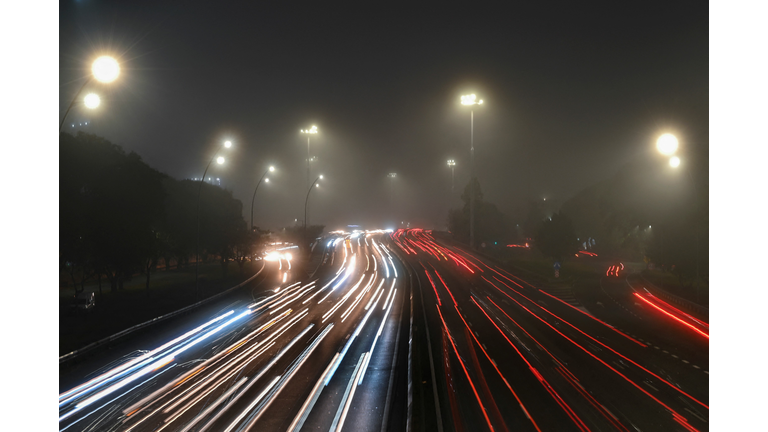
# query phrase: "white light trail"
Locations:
[[343, 299], [373, 345], [390, 292], [349, 343], [374, 294], [306, 408], [253, 404], [213, 406], [162, 362], [143, 359]]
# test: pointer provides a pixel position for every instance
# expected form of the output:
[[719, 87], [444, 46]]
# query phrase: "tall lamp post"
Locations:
[[452, 164], [392, 176], [105, 69], [269, 170], [471, 101], [309, 132], [219, 160], [667, 145], [306, 200]]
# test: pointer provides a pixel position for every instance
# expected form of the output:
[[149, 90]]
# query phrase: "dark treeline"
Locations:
[[647, 211], [118, 217]]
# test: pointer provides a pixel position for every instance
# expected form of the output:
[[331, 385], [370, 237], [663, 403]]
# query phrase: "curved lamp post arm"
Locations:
[[73, 101], [254, 195], [197, 247]]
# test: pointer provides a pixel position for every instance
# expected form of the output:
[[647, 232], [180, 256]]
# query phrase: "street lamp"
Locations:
[[667, 144], [309, 132], [471, 101], [220, 161], [392, 177], [306, 200], [91, 100], [269, 170], [105, 69], [452, 164]]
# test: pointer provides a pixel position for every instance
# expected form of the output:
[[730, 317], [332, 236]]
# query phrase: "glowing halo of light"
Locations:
[[92, 100], [105, 69], [667, 144]]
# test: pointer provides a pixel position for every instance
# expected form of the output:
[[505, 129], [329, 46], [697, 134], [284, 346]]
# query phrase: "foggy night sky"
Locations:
[[571, 94]]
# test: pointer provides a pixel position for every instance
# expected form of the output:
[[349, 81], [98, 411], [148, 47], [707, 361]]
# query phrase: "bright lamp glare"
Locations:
[[105, 69], [312, 130], [266, 180], [667, 144], [321, 176], [271, 169], [220, 160], [227, 144], [674, 161], [92, 100], [470, 100]]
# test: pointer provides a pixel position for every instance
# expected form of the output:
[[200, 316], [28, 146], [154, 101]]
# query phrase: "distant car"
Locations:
[[614, 270], [84, 301]]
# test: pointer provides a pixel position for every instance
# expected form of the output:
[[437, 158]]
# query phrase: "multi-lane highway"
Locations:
[[402, 331], [309, 352], [504, 355]]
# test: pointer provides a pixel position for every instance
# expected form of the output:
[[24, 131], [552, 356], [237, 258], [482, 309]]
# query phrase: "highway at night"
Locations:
[[306, 353], [330, 351], [509, 356]]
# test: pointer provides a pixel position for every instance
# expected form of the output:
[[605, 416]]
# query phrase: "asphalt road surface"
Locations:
[[402, 331], [325, 351], [503, 354]]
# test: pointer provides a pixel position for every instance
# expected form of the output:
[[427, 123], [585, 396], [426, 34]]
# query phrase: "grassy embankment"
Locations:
[[118, 310]]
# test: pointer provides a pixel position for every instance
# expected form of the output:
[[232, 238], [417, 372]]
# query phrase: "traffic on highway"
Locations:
[[400, 331], [325, 342]]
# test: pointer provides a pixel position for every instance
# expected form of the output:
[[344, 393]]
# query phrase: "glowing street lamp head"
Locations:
[[312, 130], [317, 184], [471, 100], [266, 180], [105, 69], [667, 144], [392, 175], [321, 176], [674, 161], [92, 100], [451, 162], [227, 144], [220, 160], [271, 169]]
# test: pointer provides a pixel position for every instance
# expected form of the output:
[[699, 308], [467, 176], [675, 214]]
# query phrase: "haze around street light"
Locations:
[[667, 144], [91, 100], [105, 69]]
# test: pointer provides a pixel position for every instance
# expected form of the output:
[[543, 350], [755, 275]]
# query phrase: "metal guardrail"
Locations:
[[679, 301], [90, 347]]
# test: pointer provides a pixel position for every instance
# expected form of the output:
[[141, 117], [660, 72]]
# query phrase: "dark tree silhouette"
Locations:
[[118, 216], [490, 223]]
